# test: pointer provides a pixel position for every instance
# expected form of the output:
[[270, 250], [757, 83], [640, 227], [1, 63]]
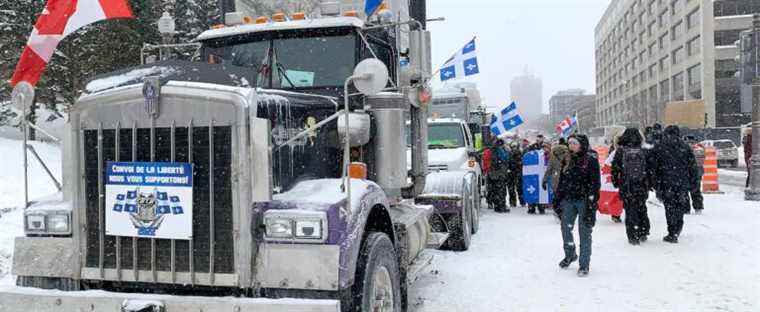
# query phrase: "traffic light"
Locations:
[[749, 54]]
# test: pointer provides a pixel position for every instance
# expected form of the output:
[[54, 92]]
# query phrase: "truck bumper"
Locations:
[[14, 299]]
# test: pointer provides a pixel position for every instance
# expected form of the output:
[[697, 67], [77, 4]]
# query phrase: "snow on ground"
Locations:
[[12, 192], [512, 265]]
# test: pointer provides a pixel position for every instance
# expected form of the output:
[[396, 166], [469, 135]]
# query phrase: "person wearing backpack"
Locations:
[[578, 195], [631, 175], [498, 176]]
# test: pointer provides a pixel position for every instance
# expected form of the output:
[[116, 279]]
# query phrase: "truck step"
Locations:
[[437, 239]]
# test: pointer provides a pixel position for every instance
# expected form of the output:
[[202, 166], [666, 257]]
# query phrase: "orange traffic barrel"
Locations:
[[710, 177]]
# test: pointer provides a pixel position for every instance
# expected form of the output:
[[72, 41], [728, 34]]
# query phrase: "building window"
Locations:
[[665, 90], [675, 6], [650, 8], [694, 46], [650, 29], [661, 19], [663, 64], [727, 37], [651, 50], [695, 81], [662, 40], [735, 7], [676, 30], [725, 69], [652, 71], [677, 55], [693, 19], [678, 87]]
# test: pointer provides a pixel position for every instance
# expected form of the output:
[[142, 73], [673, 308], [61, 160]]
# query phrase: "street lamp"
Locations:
[[166, 27]]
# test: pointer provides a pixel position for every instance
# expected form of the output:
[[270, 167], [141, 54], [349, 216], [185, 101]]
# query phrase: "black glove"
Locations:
[[543, 185]]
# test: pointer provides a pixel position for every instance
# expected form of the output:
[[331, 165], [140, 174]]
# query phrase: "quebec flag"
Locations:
[[464, 63], [371, 6], [534, 169], [505, 120]]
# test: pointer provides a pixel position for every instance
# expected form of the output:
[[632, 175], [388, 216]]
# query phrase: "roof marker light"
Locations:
[[278, 17], [350, 13], [262, 20], [298, 16]]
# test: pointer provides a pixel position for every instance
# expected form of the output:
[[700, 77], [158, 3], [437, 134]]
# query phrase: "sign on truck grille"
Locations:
[[149, 199]]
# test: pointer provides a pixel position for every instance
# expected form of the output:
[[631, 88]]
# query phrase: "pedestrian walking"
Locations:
[[674, 175], [578, 195], [695, 193], [632, 177], [558, 154], [747, 143], [498, 175], [514, 176], [615, 217], [536, 146], [486, 166]]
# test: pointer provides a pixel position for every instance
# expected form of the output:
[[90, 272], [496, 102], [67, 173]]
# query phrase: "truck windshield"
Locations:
[[724, 144], [291, 60], [445, 136]]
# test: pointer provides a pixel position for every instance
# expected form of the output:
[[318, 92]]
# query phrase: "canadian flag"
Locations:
[[566, 125], [609, 196], [59, 19]]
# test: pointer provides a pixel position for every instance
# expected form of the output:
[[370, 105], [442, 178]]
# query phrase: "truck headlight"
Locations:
[[48, 222], [295, 226]]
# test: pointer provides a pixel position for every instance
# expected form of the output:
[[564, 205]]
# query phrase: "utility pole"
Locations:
[[751, 62]]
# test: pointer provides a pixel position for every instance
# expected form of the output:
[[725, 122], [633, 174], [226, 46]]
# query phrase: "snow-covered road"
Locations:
[[512, 266]]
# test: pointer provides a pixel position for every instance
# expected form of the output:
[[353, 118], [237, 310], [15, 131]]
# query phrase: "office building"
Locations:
[[527, 90]]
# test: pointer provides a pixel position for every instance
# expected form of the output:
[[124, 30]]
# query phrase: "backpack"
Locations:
[[634, 167]]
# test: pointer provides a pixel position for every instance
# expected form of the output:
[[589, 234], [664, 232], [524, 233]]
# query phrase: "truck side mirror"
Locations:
[[370, 76]]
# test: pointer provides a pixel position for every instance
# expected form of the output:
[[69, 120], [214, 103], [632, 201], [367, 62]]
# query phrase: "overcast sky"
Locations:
[[552, 38]]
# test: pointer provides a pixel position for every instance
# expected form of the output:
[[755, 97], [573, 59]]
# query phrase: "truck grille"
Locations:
[[209, 149]]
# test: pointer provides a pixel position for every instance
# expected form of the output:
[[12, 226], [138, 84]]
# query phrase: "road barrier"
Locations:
[[710, 177]]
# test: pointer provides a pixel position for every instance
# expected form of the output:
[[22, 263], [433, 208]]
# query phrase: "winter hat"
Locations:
[[673, 131]]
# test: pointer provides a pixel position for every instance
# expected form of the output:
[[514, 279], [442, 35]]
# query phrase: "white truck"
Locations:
[[257, 174]]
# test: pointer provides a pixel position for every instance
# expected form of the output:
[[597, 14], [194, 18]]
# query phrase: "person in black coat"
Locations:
[[578, 195], [674, 174], [631, 175]]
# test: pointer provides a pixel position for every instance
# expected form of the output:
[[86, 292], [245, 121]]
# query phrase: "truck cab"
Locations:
[[265, 171]]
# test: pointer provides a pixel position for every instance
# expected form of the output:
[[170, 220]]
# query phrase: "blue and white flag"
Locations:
[[370, 6], [534, 169], [464, 63], [505, 120]]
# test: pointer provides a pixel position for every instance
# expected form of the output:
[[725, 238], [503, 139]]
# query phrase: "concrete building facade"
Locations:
[[670, 61], [563, 104], [586, 108], [527, 91], [655, 61]]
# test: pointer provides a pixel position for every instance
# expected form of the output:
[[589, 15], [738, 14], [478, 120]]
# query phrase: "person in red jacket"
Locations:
[[486, 165]]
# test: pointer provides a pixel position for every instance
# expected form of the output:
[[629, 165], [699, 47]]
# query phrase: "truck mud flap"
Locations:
[[13, 299]]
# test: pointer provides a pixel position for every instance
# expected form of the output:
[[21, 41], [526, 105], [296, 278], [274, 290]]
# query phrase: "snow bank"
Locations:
[[12, 192]]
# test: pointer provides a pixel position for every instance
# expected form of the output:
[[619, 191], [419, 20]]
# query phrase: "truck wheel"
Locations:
[[378, 284], [459, 227]]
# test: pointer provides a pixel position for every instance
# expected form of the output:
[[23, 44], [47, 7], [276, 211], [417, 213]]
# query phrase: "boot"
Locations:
[[634, 241], [617, 219], [532, 210], [582, 272], [567, 261], [670, 239]]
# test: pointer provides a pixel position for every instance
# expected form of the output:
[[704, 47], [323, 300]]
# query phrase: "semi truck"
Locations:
[[273, 168]]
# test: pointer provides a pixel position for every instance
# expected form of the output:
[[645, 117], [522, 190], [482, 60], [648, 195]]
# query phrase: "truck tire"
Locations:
[[378, 281], [475, 212], [459, 227]]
